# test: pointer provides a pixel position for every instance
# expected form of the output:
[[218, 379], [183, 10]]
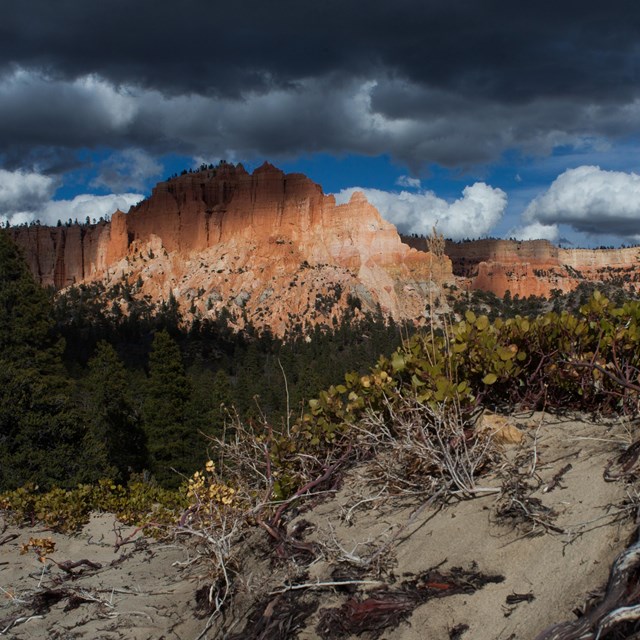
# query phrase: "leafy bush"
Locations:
[[588, 361], [139, 503]]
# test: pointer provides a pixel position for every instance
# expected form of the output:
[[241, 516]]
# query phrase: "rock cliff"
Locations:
[[537, 267], [273, 249], [270, 248]]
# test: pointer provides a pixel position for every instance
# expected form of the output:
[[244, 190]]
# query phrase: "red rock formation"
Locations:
[[270, 247], [273, 249], [537, 267], [60, 256]]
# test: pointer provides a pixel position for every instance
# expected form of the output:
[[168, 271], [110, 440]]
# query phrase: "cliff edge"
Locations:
[[269, 247]]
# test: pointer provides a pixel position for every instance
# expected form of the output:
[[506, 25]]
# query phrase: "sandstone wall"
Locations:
[[267, 245], [61, 256], [537, 267]]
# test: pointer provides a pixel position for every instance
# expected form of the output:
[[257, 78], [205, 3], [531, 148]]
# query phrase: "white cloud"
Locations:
[[88, 205], [20, 190], [79, 208], [536, 231], [471, 216], [409, 182], [27, 196], [592, 201]]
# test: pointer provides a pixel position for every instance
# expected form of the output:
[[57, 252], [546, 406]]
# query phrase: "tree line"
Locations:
[[97, 383]]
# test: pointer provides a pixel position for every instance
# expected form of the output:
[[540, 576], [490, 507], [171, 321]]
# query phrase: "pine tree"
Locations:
[[115, 437], [250, 383], [207, 410], [40, 430], [167, 394]]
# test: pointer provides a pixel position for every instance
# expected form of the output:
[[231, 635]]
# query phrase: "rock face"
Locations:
[[273, 249], [537, 267], [270, 248], [64, 255]]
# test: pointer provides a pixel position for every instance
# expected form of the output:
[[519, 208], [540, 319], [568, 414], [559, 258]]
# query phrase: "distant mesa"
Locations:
[[537, 267], [271, 248]]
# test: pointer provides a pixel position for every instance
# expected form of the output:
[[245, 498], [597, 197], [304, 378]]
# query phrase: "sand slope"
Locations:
[[539, 568]]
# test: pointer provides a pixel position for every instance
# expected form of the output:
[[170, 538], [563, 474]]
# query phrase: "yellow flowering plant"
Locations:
[[210, 499]]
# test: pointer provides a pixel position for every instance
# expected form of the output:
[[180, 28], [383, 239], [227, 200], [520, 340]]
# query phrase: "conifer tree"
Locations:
[[207, 411], [115, 437], [221, 403], [40, 430], [167, 394], [250, 379]]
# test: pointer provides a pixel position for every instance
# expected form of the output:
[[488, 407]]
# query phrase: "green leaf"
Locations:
[[416, 382], [397, 362], [490, 378], [507, 353]]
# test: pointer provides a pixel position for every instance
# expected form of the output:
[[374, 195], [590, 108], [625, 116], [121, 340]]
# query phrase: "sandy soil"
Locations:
[[140, 591], [540, 568]]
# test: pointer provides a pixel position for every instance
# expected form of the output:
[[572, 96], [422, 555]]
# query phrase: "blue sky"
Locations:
[[481, 118], [521, 178]]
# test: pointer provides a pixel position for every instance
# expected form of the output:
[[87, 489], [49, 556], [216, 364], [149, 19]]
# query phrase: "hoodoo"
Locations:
[[272, 249]]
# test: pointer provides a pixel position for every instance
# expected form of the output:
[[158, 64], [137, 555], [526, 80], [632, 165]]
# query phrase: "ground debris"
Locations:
[[624, 465], [45, 599], [515, 598], [277, 618], [383, 609], [348, 574], [519, 507], [458, 631], [557, 478]]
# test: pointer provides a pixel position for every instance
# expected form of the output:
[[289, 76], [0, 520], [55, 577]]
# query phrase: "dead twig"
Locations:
[[415, 443], [130, 539], [325, 585], [557, 478], [9, 537], [69, 565]]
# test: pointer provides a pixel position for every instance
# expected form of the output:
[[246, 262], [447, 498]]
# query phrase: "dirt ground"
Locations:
[[526, 553]]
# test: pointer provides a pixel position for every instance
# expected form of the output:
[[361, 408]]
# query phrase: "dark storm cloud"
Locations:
[[36, 110], [454, 82], [499, 49]]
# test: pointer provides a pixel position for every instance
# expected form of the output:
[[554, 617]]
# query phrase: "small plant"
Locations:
[[427, 448], [214, 520], [41, 546], [210, 499]]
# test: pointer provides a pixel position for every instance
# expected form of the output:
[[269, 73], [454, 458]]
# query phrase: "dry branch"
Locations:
[[431, 446], [616, 607]]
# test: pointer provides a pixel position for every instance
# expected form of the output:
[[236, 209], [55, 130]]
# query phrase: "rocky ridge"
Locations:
[[537, 267], [269, 247]]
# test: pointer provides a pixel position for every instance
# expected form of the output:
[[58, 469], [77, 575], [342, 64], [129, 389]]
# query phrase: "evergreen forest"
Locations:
[[103, 386], [97, 384]]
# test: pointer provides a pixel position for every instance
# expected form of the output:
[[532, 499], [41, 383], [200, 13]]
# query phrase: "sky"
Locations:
[[493, 118]]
